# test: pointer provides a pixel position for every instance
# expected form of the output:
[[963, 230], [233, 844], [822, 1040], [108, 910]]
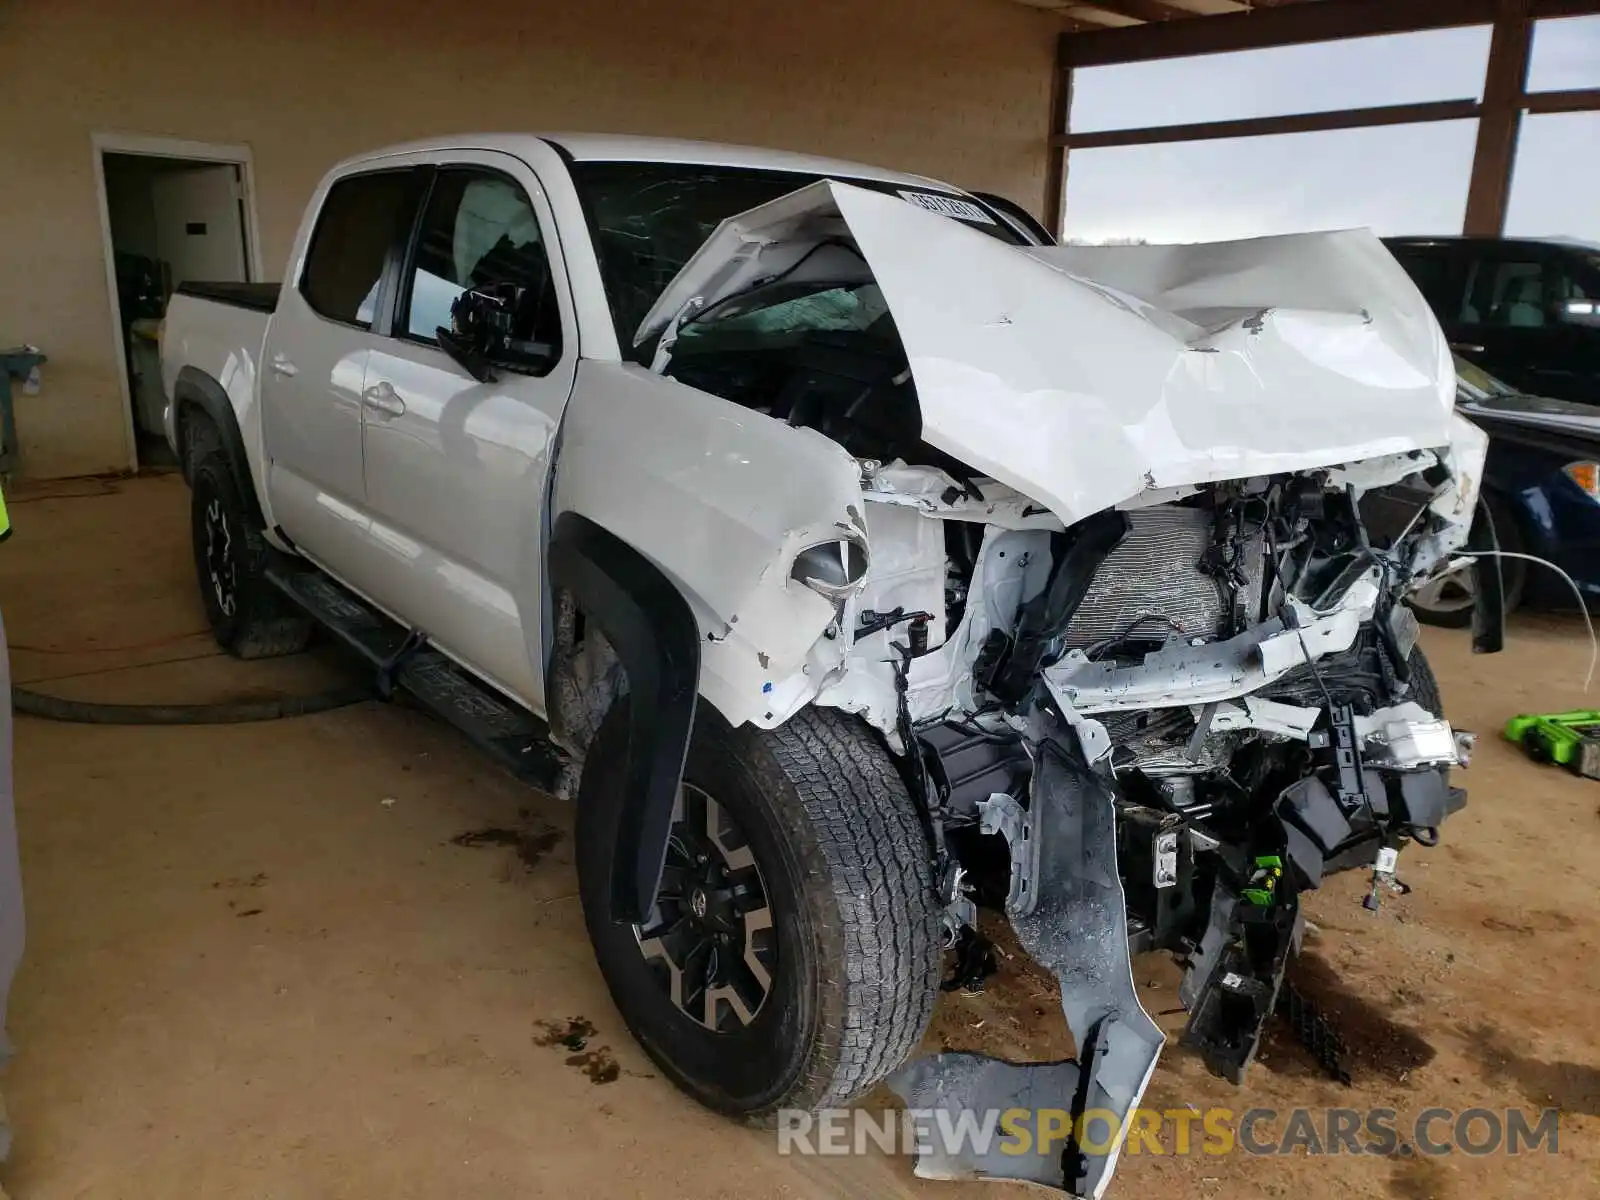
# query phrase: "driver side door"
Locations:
[[455, 469]]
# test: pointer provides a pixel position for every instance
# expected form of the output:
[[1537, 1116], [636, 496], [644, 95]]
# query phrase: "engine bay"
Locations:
[[1209, 652]]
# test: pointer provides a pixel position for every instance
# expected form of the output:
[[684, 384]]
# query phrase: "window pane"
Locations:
[[1506, 293], [1566, 54], [1401, 179], [1569, 288], [1443, 64], [481, 230], [363, 216], [1436, 274], [650, 217], [1556, 188]]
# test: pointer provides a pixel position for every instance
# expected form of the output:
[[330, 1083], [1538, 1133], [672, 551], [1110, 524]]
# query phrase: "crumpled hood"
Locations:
[[1082, 376]]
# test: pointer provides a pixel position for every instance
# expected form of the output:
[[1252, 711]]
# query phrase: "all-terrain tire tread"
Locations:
[[876, 862], [1424, 683], [267, 626]]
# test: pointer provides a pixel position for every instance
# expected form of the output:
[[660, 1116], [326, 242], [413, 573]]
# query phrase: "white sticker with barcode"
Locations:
[[948, 206]]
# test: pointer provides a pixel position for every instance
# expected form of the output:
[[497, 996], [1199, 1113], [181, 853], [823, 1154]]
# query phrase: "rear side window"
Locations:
[[362, 218]]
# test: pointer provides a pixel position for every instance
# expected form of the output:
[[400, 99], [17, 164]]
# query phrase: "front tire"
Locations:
[[1424, 683], [829, 985], [248, 616]]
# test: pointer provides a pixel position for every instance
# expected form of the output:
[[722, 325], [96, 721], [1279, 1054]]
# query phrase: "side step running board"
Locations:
[[513, 736]]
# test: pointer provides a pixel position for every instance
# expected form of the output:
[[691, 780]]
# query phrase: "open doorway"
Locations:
[[173, 213]]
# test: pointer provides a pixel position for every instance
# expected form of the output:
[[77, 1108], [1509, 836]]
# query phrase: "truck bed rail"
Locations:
[[262, 297]]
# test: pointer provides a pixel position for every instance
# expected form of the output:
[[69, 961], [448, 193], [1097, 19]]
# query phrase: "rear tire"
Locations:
[[248, 616], [851, 947]]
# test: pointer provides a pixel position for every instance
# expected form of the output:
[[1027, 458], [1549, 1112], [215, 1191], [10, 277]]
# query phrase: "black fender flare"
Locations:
[[655, 636], [195, 391]]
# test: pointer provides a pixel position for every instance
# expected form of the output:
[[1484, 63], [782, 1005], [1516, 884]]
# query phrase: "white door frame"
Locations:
[[162, 147]]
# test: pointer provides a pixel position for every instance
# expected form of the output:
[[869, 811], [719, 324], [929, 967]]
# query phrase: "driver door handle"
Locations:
[[381, 397], [281, 365]]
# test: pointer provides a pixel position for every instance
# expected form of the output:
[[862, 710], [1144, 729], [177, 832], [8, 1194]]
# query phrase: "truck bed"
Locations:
[[262, 297], [217, 330]]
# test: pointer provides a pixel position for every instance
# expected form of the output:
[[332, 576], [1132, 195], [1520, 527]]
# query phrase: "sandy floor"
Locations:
[[261, 962]]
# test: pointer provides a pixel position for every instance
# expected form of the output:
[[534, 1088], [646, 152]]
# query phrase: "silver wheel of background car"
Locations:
[[709, 941], [1448, 594], [1450, 599]]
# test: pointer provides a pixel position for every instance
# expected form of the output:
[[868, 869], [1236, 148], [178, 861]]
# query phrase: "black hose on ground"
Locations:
[[234, 712]]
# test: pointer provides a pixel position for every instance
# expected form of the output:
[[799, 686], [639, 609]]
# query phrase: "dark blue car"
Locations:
[[1542, 484]]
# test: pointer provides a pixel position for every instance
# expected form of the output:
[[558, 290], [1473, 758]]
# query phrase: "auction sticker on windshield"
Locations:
[[948, 206]]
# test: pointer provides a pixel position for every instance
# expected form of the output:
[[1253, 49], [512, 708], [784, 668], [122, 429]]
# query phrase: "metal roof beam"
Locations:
[[1144, 10], [1310, 122], [1563, 8], [1505, 81], [1573, 100], [1287, 25]]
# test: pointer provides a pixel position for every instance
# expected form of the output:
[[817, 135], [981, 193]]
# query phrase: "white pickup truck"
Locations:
[[857, 556]]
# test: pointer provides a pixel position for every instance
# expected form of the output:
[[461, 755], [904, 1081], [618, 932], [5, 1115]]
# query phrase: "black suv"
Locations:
[[1525, 309]]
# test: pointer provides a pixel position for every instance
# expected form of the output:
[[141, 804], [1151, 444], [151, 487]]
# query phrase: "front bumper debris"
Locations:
[[1071, 918], [1381, 780]]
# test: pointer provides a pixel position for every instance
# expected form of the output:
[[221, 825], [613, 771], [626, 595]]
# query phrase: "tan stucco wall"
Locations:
[[952, 88]]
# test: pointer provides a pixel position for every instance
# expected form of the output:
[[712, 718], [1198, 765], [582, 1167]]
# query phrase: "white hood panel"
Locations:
[[1082, 376]]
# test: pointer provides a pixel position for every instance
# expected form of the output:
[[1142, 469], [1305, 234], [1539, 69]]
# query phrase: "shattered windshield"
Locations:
[[649, 218], [775, 316], [852, 308]]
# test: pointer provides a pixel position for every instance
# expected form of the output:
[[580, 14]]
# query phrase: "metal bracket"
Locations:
[[1001, 814], [389, 669]]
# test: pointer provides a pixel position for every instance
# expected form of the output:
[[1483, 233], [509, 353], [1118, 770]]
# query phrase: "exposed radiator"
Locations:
[[1152, 581]]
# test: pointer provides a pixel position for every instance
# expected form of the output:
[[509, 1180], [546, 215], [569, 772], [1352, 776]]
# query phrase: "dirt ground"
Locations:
[[330, 956]]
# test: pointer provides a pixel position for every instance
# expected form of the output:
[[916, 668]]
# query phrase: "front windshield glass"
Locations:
[[836, 308], [648, 219]]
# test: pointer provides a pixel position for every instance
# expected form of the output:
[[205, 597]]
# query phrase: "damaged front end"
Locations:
[[1178, 717], [1140, 525]]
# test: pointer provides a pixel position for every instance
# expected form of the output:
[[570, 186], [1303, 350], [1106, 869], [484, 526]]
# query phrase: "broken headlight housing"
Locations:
[[833, 569]]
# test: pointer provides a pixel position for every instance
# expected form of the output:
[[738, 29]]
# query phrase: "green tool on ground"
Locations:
[[1570, 738], [1263, 889]]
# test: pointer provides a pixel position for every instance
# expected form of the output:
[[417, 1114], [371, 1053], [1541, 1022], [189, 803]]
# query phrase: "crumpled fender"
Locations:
[[652, 632], [720, 499]]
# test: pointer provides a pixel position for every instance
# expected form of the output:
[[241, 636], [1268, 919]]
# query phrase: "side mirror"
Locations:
[[1581, 312], [491, 326]]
